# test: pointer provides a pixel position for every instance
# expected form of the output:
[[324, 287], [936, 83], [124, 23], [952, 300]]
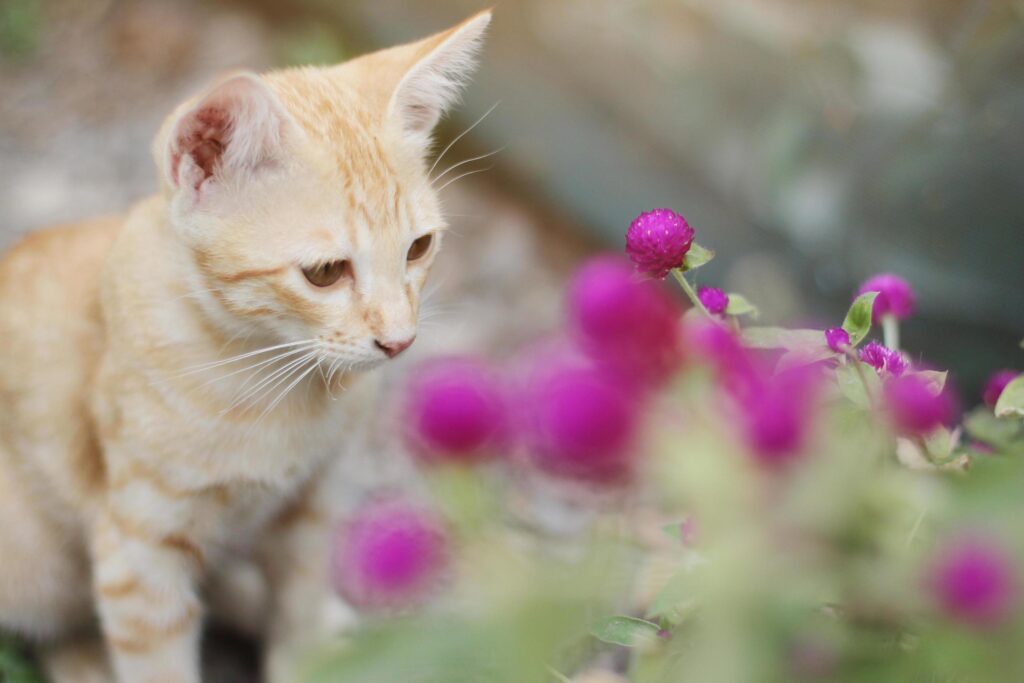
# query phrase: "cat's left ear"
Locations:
[[441, 66]]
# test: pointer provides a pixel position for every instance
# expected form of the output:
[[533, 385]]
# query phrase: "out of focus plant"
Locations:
[[763, 504], [20, 25]]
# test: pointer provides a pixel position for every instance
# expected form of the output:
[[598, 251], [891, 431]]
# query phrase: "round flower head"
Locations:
[[630, 325], [883, 359], [915, 409], [579, 424], [973, 581], [995, 385], [454, 410], [389, 555], [658, 241], [714, 299], [777, 415], [837, 339], [895, 297]]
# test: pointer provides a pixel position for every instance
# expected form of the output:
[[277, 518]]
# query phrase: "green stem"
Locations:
[[851, 357], [677, 273], [891, 332]]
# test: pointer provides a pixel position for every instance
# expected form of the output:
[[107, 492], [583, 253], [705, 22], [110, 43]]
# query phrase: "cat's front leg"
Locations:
[[304, 612], [144, 581]]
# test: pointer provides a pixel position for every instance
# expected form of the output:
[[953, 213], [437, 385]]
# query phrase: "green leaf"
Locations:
[[801, 357], [674, 601], [982, 425], [852, 383], [858, 319], [935, 380], [738, 305], [781, 338], [1011, 401], [625, 631], [696, 257]]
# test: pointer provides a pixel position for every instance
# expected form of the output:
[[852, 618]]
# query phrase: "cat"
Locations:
[[167, 376]]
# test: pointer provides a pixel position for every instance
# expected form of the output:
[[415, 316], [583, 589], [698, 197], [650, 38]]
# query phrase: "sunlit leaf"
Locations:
[[1011, 401], [859, 383], [697, 256], [935, 380], [781, 338], [625, 631], [858, 319], [738, 305]]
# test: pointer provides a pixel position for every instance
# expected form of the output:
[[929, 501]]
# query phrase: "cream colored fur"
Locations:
[[167, 377]]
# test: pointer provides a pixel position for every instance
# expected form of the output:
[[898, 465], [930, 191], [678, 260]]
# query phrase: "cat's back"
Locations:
[[52, 332]]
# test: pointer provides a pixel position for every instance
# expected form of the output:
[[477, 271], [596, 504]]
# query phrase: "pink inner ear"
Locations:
[[202, 137]]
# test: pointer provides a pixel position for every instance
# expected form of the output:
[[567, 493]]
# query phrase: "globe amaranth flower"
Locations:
[[632, 326], [713, 299], [658, 241], [996, 384], [895, 297], [579, 425], [973, 580], [777, 415], [455, 410], [914, 407], [837, 339], [390, 554], [884, 360]]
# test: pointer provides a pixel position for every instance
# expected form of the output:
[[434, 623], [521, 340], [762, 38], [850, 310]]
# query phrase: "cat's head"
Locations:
[[303, 195]]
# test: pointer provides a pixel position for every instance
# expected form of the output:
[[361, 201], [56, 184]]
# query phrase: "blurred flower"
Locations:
[[777, 415], [714, 299], [914, 407], [973, 581], [390, 554], [579, 424], [883, 359], [454, 410], [995, 385], [657, 241], [895, 297], [837, 338], [630, 325]]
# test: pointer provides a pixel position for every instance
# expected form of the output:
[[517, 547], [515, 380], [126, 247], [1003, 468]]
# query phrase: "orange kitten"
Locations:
[[166, 378]]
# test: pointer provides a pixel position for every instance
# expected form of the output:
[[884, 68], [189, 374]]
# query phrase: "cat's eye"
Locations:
[[420, 248], [326, 274]]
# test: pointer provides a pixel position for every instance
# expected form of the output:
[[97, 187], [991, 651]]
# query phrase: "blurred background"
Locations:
[[811, 144]]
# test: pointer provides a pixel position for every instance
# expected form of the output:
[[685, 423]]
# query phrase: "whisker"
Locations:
[[466, 161], [213, 364], [460, 177], [251, 396], [280, 397], [276, 358], [462, 135]]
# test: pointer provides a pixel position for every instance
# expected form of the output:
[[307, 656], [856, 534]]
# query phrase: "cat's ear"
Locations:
[[436, 71], [237, 127]]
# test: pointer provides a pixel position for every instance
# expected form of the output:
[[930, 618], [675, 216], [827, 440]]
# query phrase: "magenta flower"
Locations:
[[837, 338], [714, 299], [996, 384], [454, 410], [389, 555], [579, 425], [884, 360], [717, 345], [973, 581], [629, 325], [657, 241], [915, 409], [895, 297], [777, 415]]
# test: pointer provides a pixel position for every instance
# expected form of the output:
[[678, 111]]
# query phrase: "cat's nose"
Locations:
[[393, 348]]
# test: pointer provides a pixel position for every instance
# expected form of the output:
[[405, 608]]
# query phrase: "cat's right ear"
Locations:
[[238, 127]]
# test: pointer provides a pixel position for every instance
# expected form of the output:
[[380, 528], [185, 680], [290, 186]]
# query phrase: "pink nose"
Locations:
[[393, 348]]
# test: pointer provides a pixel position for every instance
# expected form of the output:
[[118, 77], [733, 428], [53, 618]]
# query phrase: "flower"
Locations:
[[973, 581], [579, 425], [884, 360], [995, 385], [389, 554], [895, 297], [915, 409], [629, 325], [837, 338], [777, 414], [716, 344], [454, 410], [657, 241], [714, 299]]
